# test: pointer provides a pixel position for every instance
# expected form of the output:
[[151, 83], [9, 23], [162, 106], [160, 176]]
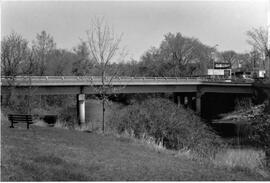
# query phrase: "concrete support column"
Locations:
[[182, 99], [81, 107], [198, 102], [189, 101], [185, 101], [178, 100]]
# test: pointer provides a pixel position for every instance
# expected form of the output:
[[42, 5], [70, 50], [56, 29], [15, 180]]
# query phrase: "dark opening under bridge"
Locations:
[[81, 85]]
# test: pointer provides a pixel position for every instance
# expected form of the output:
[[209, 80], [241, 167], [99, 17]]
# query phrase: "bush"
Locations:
[[67, 116], [174, 127]]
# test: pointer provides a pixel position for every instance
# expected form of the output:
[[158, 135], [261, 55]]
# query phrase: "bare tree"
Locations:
[[258, 39], [13, 53], [17, 60], [230, 57], [14, 49], [29, 70], [43, 47], [179, 50], [104, 46]]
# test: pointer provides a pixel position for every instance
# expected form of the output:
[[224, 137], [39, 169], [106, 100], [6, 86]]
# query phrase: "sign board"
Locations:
[[222, 65], [216, 72]]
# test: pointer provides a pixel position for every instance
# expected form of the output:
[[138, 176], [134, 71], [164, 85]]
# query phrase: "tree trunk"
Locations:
[[103, 99], [103, 115]]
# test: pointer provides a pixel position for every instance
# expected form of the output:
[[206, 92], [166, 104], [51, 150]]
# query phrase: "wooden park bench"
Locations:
[[20, 118]]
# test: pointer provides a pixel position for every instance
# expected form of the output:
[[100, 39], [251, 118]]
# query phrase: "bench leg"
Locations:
[[11, 126], [27, 125]]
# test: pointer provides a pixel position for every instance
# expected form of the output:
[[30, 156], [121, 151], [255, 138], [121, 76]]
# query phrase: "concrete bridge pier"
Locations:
[[81, 108], [179, 99], [188, 100], [184, 99], [198, 102]]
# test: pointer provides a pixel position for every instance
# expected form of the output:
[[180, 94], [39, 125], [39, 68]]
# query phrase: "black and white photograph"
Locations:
[[135, 90]]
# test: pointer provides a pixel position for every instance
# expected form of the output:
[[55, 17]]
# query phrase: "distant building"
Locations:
[[246, 74], [220, 69]]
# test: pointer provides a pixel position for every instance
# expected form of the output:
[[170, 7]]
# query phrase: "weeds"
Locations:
[[243, 159], [161, 121]]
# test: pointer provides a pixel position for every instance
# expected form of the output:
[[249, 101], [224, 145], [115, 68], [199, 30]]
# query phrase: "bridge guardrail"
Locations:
[[119, 79], [116, 77]]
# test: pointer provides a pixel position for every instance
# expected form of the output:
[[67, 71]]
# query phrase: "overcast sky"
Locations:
[[143, 24]]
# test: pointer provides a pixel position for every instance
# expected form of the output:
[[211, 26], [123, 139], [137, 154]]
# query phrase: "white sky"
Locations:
[[142, 23]]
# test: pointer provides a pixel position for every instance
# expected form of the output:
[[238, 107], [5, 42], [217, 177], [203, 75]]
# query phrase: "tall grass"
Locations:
[[146, 140], [243, 159]]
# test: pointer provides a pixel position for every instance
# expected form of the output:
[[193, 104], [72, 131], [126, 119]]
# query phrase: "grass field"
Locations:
[[51, 154]]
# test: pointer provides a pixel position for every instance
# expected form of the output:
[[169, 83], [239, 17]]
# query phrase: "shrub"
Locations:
[[174, 127], [68, 116], [261, 134]]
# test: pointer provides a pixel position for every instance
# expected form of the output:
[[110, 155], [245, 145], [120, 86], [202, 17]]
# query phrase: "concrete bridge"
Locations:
[[81, 85]]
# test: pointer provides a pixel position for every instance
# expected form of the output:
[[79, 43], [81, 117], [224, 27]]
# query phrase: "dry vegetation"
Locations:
[[52, 154]]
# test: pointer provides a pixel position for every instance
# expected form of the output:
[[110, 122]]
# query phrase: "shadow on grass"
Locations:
[[47, 168], [50, 159]]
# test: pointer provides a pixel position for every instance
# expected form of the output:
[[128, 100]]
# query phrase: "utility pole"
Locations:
[[268, 42], [213, 54]]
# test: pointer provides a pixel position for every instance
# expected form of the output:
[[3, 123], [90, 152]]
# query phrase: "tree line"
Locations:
[[177, 55]]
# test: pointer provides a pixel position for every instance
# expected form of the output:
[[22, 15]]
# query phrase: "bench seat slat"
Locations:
[[22, 119], [18, 121], [19, 117]]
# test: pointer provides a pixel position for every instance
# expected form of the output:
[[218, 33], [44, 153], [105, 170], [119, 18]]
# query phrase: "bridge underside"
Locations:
[[74, 90], [192, 92]]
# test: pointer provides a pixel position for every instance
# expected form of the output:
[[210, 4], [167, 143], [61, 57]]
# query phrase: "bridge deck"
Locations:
[[95, 80]]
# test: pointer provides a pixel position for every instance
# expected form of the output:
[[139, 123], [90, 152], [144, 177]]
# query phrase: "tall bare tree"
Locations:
[[43, 47], [258, 39], [13, 54], [179, 50], [17, 59], [104, 47], [14, 50], [230, 57]]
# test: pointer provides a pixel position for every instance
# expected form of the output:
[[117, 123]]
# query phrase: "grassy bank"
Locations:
[[51, 154]]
